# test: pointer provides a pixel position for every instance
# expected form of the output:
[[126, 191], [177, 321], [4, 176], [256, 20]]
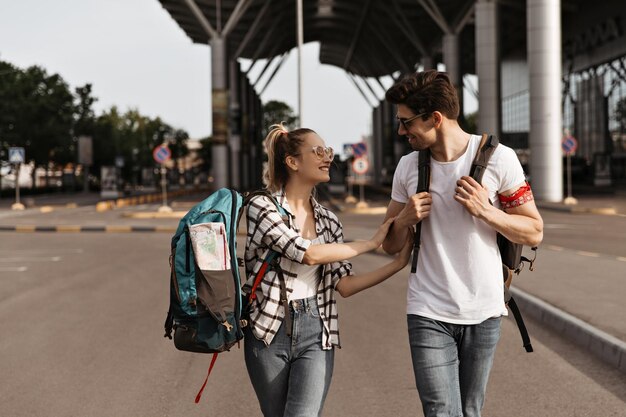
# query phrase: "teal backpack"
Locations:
[[205, 312]]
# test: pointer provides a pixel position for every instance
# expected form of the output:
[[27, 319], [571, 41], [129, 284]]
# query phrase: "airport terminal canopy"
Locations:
[[369, 38]]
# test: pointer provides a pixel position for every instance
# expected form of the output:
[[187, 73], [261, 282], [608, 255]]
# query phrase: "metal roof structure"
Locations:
[[369, 38]]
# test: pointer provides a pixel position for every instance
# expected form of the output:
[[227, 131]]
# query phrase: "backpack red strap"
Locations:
[[207, 377], [261, 274]]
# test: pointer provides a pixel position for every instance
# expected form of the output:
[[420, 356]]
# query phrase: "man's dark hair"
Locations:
[[426, 92]]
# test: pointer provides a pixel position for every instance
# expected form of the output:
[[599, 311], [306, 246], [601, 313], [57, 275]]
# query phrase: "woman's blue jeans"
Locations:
[[452, 364], [291, 376]]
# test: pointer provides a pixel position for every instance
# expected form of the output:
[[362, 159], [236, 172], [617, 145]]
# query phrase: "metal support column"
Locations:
[[219, 92], [488, 67], [428, 63], [544, 63], [451, 59], [235, 123]]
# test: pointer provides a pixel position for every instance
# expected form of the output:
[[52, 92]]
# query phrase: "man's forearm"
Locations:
[[515, 227], [395, 239]]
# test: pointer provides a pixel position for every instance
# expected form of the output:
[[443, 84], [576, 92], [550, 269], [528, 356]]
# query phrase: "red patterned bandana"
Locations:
[[522, 196]]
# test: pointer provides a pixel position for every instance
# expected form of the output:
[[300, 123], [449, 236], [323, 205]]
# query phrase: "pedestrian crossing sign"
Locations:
[[16, 155]]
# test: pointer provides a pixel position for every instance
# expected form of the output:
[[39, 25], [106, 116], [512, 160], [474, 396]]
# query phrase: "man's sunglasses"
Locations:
[[407, 122]]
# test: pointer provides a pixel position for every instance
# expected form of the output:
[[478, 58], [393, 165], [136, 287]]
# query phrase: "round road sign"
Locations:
[[162, 154], [360, 166], [569, 145]]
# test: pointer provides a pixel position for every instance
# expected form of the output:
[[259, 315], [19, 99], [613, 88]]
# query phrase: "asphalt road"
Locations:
[[81, 318]]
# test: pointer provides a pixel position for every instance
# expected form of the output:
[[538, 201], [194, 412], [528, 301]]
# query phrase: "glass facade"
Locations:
[[594, 112]]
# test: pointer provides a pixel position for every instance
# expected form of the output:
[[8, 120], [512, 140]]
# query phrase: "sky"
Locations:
[[135, 56]]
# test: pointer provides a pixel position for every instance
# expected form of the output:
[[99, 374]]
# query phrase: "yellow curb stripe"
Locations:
[[608, 211], [46, 209], [68, 228], [105, 205], [118, 229], [25, 228]]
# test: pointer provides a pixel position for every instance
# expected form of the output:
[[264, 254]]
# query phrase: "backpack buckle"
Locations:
[[228, 326]]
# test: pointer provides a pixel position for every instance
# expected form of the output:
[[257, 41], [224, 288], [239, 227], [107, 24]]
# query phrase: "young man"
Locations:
[[455, 297]]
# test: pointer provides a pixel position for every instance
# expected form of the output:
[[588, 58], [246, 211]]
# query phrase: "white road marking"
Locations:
[[590, 254], [23, 259], [40, 251], [584, 253], [557, 226], [13, 268]]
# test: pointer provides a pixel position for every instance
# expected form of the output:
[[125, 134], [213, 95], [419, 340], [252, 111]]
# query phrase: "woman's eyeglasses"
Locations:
[[321, 152]]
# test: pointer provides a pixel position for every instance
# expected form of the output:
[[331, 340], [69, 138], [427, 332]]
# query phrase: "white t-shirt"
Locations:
[[459, 273], [308, 278]]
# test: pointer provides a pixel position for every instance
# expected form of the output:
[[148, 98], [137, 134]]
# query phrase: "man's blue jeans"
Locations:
[[452, 364], [291, 376]]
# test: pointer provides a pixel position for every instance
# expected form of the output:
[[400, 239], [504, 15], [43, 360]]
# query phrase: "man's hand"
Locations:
[[415, 210], [473, 196]]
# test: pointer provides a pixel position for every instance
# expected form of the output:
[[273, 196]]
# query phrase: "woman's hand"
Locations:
[[381, 233]]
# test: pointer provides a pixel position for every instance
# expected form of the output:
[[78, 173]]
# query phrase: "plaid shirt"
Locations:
[[267, 229]]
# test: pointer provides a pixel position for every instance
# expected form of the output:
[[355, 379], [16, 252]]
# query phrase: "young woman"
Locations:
[[292, 330]]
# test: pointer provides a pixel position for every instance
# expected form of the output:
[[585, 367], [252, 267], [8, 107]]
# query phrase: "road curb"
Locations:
[[31, 228], [144, 199], [606, 347]]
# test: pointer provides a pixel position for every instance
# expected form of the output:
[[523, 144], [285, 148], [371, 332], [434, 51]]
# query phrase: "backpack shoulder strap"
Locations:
[[264, 192], [423, 170], [423, 184], [486, 148]]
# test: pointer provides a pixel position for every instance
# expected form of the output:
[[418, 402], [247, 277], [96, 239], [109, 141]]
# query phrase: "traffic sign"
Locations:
[[360, 165], [162, 154], [17, 155], [359, 149], [569, 145]]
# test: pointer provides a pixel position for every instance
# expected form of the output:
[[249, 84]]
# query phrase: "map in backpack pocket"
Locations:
[[210, 246]]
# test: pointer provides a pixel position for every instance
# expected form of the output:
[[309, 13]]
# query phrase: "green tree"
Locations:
[[277, 111], [470, 123], [9, 105], [37, 114], [40, 113], [619, 116], [85, 117], [205, 153]]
